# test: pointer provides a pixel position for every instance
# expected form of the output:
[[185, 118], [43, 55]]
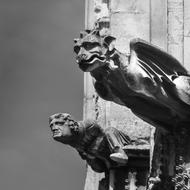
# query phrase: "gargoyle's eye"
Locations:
[[76, 49], [90, 45]]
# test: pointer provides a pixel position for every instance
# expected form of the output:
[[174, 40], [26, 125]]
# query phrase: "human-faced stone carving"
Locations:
[[101, 148], [62, 127]]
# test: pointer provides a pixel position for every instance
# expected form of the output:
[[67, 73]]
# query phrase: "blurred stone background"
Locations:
[[38, 77]]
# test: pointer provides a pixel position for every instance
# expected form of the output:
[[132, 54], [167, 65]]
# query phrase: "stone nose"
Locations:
[[53, 127]]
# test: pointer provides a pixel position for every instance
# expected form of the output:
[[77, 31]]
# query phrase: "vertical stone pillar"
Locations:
[[108, 113], [187, 34], [175, 46], [91, 107], [176, 29]]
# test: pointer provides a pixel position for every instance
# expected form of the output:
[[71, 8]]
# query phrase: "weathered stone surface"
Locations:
[[129, 20], [132, 6], [158, 23], [186, 34], [176, 28], [125, 120], [126, 26]]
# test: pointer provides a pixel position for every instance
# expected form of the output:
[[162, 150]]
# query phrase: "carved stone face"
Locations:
[[92, 50], [60, 127]]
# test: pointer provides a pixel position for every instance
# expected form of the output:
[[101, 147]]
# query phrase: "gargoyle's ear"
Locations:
[[108, 42]]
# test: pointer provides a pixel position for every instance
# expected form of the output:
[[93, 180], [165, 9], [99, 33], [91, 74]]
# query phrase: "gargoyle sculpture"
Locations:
[[101, 148], [152, 83], [149, 81]]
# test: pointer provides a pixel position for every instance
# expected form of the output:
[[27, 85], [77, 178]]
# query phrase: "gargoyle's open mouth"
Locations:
[[93, 62]]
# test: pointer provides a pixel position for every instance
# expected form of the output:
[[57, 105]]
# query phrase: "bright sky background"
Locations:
[[38, 77]]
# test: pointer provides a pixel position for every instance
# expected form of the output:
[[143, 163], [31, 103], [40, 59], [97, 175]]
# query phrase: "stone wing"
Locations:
[[163, 67], [156, 61]]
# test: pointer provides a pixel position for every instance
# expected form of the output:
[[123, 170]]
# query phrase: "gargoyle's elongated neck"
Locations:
[[100, 73]]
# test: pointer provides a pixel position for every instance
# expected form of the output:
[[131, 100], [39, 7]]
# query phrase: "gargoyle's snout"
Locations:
[[81, 58]]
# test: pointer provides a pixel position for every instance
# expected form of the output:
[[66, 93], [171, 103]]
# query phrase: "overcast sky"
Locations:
[[38, 77]]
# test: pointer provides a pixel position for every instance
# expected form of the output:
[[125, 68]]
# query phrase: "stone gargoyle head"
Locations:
[[93, 50]]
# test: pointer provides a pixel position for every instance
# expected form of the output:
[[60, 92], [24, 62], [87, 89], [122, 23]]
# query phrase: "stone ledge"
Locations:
[[137, 147]]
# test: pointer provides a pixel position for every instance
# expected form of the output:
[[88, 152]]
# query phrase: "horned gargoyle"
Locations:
[[149, 81]]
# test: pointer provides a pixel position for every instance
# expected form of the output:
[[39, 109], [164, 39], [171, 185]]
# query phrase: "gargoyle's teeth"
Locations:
[[91, 60], [95, 59], [94, 56]]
